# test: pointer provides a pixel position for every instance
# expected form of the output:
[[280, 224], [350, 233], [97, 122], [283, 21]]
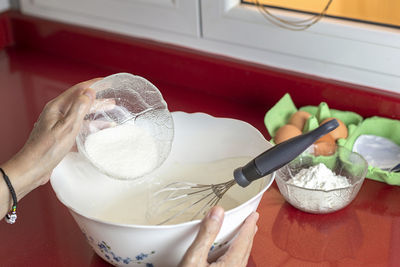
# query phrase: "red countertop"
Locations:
[[43, 58]]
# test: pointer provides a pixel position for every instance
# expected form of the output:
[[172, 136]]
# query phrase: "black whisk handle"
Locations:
[[281, 154]]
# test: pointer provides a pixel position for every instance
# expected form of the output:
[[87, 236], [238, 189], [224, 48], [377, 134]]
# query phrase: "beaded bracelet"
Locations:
[[11, 217]]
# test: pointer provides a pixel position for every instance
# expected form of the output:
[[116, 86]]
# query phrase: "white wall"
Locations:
[[4, 5]]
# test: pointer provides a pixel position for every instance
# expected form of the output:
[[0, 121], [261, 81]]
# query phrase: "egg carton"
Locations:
[[281, 112]]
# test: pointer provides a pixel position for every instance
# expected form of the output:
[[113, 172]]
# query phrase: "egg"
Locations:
[[299, 118], [286, 132], [340, 131], [325, 146], [327, 138]]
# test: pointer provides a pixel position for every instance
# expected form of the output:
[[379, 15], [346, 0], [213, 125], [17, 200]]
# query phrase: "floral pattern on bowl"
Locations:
[[111, 257]]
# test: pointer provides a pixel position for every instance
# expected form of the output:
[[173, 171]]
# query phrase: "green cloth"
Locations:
[[280, 113], [311, 124], [323, 112], [383, 127]]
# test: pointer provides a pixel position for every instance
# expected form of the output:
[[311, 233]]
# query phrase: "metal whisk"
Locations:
[[183, 201]]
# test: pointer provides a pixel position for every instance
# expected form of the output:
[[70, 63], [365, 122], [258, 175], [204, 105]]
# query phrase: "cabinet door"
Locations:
[[4, 5], [155, 19]]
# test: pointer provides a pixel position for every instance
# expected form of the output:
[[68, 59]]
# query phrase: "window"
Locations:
[[333, 48], [380, 12]]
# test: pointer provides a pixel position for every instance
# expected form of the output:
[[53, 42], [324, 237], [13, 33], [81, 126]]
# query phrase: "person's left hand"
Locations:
[[238, 252], [52, 137]]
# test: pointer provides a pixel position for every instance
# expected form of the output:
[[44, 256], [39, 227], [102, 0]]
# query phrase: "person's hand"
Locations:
[[51, 139], [238, 252]]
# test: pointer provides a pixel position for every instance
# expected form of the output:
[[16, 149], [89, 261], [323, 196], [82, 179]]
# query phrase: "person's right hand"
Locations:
[[238, 252]]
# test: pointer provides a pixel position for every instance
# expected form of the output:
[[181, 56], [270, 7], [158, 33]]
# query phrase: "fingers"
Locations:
[[63, 102], [79, 108], [74, 148], [105, 104], [197, 253], [54, 133], [239, 251]]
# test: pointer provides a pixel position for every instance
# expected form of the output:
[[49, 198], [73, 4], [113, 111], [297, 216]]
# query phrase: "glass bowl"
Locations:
[[341, 161], [143, 142]]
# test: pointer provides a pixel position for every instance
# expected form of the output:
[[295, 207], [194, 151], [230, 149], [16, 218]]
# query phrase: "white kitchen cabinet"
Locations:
[[4, 5], [335, 49], [144, 18]]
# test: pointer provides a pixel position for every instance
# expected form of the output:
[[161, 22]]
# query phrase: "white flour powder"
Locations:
[[323, 199], [319, 177], [125, 151]]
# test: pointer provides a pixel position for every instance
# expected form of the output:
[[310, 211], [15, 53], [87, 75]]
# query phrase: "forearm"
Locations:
[[51, 139], [22, 178]]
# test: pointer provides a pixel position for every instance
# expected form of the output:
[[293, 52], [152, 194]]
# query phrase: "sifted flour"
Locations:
[[124, 151], [319, 177], [322, 198]]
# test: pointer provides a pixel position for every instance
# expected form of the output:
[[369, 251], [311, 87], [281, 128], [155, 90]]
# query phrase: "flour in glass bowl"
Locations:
[[318, 190], [124, 151], [319, 177]]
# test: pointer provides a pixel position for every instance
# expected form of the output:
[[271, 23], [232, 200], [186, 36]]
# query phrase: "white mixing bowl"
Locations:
[[198, 138]]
